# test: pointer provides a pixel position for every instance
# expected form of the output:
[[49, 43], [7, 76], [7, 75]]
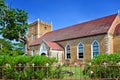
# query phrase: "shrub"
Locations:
[[57, 72], [103, 66], [5, 51]]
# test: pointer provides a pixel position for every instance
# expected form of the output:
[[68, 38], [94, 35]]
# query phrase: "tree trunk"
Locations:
[[26, 50], [26, 44]]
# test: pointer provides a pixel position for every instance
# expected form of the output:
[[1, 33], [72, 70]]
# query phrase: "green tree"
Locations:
[[5, 44], [3, 8], [13, 23], [8, 48]]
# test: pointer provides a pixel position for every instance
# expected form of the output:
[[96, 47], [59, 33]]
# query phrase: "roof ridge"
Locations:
[[113, 21], [91, 27], [117, 29], [84, 22]]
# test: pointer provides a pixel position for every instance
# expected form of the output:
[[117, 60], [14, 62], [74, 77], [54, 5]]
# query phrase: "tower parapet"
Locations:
[[37, 29]]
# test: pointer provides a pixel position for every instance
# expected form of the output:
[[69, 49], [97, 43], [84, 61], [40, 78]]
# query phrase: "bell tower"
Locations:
[[37, 29]]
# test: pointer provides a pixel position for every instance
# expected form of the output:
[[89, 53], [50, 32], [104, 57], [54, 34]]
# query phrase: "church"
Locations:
[[77, 43]]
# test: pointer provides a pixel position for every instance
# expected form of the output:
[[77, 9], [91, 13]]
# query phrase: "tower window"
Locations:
[[32, 28], [45, 28], [33, 37]]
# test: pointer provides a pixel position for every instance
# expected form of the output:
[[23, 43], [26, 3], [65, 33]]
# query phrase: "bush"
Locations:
[[103, 66], [5, 51], [57, 72]]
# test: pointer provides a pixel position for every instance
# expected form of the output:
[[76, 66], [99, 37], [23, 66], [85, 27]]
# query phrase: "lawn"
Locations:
[[76, 70], [72, 72]]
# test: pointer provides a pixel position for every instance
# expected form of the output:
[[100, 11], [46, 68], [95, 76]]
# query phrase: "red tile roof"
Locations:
[[117, 30], [54, 46], [89, 28]]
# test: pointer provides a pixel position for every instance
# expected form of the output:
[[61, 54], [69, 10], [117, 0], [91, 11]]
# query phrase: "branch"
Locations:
[[23, 39]]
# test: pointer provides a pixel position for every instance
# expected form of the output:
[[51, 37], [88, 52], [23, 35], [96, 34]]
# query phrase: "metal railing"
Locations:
[[64, 72]]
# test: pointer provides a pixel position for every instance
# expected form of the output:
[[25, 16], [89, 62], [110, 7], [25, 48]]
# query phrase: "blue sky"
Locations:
[[63, 13]]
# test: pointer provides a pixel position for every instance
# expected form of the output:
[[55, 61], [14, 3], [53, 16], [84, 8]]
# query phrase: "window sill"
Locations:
[[80, 59], [67, 59]]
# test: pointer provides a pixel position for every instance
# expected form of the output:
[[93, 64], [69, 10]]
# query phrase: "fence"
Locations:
[[74, 72]]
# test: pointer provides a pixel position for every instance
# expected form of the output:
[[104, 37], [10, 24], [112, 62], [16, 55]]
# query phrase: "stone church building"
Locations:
[[76, 43]]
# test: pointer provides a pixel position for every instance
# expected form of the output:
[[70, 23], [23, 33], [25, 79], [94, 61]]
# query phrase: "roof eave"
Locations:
[[81, 37]]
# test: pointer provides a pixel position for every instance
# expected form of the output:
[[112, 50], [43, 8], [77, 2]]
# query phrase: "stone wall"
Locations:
[[117, 44], [37, 29], [87, 41], [58, 55]]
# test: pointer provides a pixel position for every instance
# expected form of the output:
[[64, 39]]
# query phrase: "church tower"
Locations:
[[37, 29]]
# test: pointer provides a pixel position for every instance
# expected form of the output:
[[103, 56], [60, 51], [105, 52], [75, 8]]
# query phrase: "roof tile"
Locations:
[[117, 30], [54, 46], [93, 27]]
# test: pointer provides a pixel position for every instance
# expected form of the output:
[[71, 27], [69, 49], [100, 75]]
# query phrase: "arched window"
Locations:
[[32, 37], [45, 28], [57, 56], [33, 51], [95, 48], [68, 54], [43, 49], [80, 49]]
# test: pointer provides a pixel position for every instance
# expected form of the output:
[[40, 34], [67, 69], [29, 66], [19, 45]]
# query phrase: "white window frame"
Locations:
[[57, 55], [78, 50], [32, 37], [41, 49], [92, 48], [32, 52], [66, 52]]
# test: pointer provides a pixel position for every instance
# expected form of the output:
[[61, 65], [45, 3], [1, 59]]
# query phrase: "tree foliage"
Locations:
[[13, 23], [3, 8], [9, 48], [5, 44]]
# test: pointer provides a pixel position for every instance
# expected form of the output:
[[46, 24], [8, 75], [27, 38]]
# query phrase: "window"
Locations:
[[32, 37], [68, 54], [57, 56], [33, 51], [32, 28], [80, 53], [45, 28], [43, 49], [95, 48]]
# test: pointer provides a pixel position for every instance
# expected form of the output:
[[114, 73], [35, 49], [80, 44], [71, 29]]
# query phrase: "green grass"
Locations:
[[77, 72]]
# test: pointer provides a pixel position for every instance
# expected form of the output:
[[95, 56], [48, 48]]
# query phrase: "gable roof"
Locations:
[[54, 46], [89, 28], [117, 30]]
